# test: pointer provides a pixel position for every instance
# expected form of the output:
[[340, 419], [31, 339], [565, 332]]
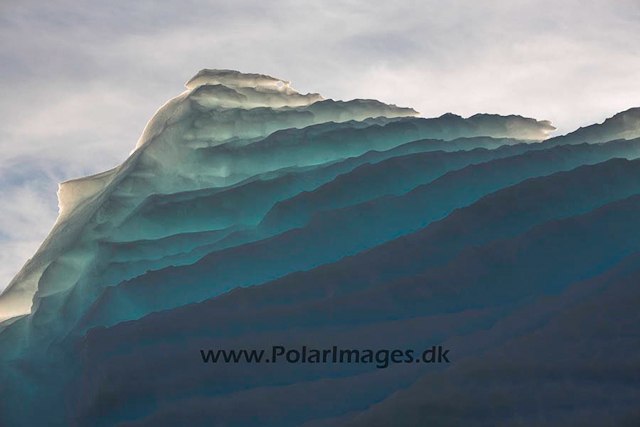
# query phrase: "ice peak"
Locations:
[[233, 89], [236, 79]]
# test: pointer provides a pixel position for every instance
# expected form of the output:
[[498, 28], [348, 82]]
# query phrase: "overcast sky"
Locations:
[[79, 80]]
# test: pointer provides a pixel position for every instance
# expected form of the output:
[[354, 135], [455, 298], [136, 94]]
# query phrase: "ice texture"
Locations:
[[250, 214], [222, 130], [166, 160]]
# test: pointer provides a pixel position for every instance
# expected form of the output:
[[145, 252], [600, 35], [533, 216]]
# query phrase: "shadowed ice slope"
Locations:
[[411, 170], [505, 213], [247, 203], [466, 295], [337, 233], [560, 359], [427, 167], [393, 176]]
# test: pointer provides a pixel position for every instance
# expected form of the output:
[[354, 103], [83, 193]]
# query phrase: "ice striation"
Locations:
[[246, 207], [225, 128], [166, 160]]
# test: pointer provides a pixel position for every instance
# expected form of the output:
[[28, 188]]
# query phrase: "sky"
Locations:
[[79, 80]]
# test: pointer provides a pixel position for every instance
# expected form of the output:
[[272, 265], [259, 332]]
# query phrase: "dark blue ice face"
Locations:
[[271, 258]]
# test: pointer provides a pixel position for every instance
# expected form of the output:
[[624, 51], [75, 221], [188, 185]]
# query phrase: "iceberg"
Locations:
[[249, 214]]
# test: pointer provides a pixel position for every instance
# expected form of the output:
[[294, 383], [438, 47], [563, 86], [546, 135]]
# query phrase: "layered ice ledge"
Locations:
[[226, 128], [219, 107]]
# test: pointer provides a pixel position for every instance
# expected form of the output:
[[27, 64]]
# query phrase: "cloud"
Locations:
[[80, 80], [27, 213]]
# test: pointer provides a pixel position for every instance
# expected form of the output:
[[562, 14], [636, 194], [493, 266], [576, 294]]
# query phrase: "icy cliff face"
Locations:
[[220, 107], [270, 208], [212, 136]]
